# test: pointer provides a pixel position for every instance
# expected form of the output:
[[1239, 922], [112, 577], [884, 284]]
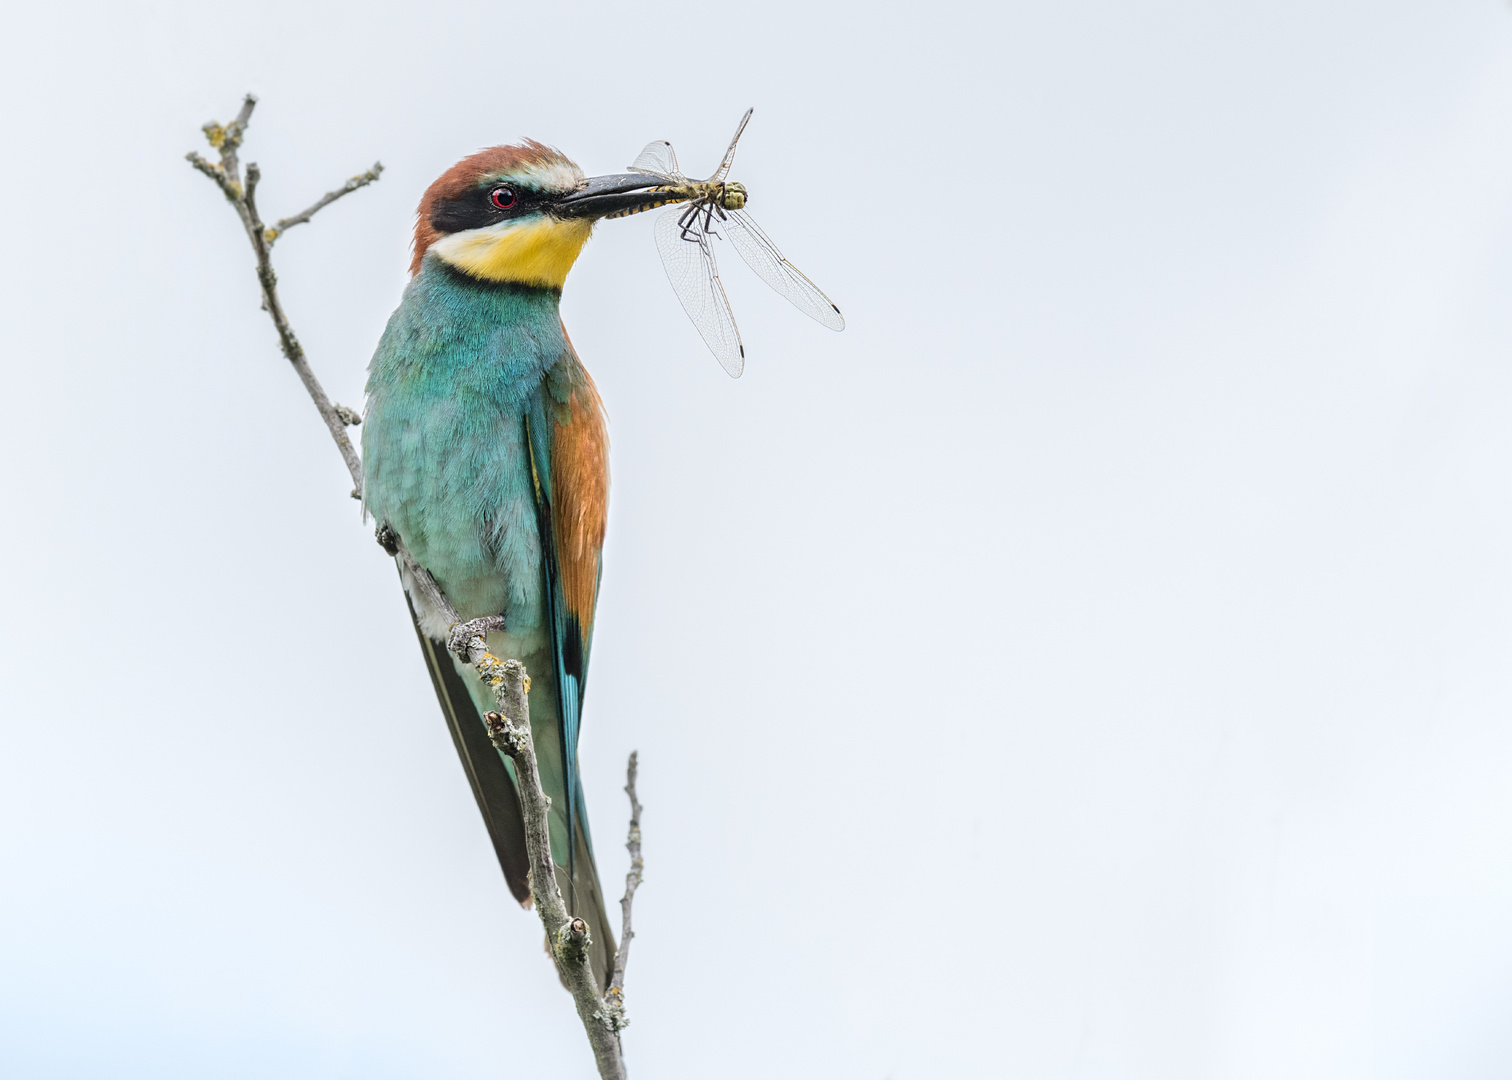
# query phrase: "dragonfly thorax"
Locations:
[[726, 196]]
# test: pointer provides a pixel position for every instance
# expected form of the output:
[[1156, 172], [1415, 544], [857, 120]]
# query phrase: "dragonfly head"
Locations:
[[520, 214], [734, 197]]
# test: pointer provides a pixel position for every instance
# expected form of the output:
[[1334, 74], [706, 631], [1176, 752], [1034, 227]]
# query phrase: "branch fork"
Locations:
[[603, 1016]]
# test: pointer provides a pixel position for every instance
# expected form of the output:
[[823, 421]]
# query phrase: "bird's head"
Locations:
[[520, 213]]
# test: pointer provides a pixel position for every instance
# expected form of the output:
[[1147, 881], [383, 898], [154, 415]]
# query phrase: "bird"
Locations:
[[486, 457]]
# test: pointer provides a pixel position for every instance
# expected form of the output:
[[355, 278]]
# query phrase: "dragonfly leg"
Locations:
[[708, 216], [686, 223]]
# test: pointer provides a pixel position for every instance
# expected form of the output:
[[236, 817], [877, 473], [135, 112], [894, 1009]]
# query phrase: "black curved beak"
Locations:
[[616, 195]]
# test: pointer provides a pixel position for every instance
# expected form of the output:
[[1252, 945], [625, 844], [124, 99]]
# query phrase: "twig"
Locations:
[[614, 999], [419, 576], [227, 176], [273, 232], [568, 937]]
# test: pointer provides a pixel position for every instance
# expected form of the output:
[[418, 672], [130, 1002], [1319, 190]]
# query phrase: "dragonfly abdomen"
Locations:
[[728, 196]]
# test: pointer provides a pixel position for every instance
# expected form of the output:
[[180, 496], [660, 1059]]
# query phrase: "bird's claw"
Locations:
[[464, 640]]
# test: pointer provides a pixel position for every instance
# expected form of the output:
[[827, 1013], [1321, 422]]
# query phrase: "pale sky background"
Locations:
[[1095, 663]]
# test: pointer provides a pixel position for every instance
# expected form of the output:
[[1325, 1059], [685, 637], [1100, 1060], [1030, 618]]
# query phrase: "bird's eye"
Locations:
[[503, 198]]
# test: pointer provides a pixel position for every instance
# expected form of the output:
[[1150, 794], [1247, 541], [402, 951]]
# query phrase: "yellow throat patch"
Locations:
[[535, 251]]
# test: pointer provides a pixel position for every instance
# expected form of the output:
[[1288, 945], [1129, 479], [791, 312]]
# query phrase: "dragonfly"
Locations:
[[705, 210]]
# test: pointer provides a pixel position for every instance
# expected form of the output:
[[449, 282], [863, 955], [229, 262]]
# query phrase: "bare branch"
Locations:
[[228, 139], [292, 350], [614, 998], [426, 584], [228, 189], [420, 579], [633, 878], [361, 180], [568, 937], [227, 176]]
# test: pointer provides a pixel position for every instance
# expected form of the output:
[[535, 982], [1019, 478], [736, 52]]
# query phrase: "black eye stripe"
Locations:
[[477, 209]]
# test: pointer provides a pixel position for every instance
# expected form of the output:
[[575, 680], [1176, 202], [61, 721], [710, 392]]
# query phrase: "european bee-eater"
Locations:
[[486, 455]]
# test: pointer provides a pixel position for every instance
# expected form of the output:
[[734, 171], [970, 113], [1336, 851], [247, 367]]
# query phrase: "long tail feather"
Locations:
[[492, 786]]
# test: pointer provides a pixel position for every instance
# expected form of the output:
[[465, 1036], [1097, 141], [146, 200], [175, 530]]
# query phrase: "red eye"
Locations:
[[503, 198]]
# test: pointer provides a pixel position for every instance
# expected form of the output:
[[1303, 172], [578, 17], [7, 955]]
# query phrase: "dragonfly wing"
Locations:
[[762, 256], [659, 159], [688, 256], [729, 158]]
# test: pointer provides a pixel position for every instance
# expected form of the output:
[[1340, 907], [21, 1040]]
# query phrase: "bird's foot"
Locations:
[[465, 640]]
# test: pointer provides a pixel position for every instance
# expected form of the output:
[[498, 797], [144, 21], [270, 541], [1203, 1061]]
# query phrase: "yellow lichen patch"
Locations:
[[534, 251]]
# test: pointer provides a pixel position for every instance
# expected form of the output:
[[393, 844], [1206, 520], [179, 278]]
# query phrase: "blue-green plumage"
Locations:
[[459, 373], [469, 393]]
